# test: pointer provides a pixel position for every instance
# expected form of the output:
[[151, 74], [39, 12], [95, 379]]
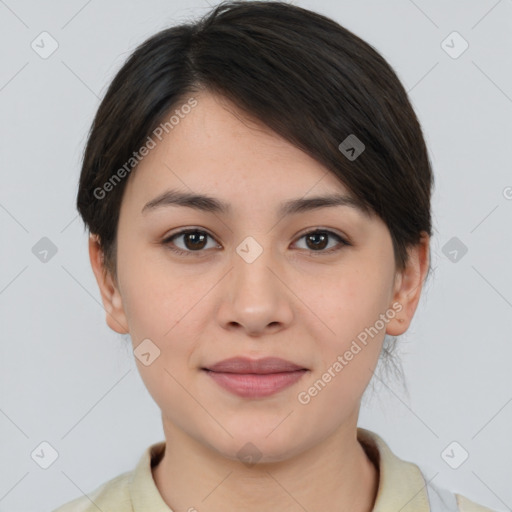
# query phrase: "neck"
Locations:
[[336, 475]]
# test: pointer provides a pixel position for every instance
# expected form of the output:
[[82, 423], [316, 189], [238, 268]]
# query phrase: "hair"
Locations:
[[303, 75]]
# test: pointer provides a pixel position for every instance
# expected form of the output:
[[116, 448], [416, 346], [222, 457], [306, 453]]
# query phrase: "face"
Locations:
[[252, 281]]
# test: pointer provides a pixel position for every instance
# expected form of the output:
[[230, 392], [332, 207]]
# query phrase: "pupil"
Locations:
[[322, 242], [192, 236]]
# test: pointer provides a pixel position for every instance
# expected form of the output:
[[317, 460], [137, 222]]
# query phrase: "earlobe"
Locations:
[[408, 287], [110, 296]]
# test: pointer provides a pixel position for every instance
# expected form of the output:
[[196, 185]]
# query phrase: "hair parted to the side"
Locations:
[[300, 73]]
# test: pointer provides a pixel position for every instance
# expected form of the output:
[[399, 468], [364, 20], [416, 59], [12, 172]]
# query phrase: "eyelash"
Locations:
[[168, 241]]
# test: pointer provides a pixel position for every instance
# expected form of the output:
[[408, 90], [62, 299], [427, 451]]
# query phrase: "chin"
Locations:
[[257, 446]]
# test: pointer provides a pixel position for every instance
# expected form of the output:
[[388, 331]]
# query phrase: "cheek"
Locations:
[[350, 306], [351, 302], [156, 298], [167, 386], [170, 344]]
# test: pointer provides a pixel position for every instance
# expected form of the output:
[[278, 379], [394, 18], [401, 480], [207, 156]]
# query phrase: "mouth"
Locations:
[[250, 378]]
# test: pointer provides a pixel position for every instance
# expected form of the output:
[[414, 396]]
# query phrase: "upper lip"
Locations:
[[262, 366]]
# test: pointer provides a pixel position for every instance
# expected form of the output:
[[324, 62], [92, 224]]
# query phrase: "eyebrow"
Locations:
[[210, 204]]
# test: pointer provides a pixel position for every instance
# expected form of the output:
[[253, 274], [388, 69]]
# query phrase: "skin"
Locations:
[[291, 302]]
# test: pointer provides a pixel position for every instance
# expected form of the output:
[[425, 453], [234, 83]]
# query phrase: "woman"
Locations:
[[257, 189]]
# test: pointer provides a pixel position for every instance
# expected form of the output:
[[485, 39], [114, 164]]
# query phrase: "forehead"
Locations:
[[216, 146]]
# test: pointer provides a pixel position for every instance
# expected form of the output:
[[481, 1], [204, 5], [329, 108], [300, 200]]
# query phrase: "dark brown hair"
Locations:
[[309, 79]]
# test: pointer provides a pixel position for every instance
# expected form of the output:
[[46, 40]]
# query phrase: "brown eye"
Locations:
[[318, 240], [193, 240]]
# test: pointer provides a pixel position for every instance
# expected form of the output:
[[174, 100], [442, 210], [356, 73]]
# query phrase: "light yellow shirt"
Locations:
[[402, 486]]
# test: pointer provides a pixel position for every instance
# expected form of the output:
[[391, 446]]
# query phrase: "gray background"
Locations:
[[69, 380]]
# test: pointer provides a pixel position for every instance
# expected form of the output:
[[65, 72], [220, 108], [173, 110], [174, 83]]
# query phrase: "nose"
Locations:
[[255, 297]]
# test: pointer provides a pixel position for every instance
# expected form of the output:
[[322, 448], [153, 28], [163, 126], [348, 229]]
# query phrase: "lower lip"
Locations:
[[251, 385]]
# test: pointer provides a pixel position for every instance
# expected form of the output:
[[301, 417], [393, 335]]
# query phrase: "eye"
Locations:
[[318, 239], [194, 240]]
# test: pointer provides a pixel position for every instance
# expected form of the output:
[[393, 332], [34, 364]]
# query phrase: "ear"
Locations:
[[112, 300], [408, 286]]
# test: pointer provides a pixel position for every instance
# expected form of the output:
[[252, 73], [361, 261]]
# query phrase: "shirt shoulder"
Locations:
[[131, 491], [113, 495], [399, 481], [466, 505], [443, 500]]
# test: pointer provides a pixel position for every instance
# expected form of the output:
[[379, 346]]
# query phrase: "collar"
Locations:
[[401, 483], [144, 493], [402, 486]]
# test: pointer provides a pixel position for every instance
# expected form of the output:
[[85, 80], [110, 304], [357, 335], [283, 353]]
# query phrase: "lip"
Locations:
[[258, 366], [255, 378]]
